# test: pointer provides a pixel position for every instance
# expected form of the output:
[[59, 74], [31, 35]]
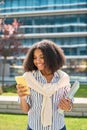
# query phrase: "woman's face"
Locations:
[[39, 60]]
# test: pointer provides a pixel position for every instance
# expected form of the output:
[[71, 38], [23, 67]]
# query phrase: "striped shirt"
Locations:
[[35, 101]]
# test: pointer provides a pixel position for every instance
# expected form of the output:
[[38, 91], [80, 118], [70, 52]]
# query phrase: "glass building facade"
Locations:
[[62, 21]]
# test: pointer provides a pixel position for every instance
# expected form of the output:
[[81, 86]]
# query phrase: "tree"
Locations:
[[9, 43]]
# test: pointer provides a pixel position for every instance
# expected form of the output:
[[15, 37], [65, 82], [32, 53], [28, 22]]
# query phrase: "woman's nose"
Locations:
[[38, 60]]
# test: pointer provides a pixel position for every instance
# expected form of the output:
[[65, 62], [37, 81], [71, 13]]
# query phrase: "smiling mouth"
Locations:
[[39, 65]]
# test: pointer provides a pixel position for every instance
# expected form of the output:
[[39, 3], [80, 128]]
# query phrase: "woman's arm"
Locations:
[[23, 93], [24, 105]]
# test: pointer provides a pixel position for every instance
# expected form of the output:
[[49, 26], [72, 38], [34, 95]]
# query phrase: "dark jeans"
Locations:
[[64, 128], [28, 128]]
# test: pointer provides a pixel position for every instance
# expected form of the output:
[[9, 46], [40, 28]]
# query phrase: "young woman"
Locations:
[[49, 87]]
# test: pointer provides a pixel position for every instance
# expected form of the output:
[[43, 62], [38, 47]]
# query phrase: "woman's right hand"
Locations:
[[22, 90]]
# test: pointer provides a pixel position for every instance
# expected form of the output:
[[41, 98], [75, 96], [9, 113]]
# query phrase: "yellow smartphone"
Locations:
[[21, 80]]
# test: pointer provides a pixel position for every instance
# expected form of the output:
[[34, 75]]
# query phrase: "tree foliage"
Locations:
[[10, 45]]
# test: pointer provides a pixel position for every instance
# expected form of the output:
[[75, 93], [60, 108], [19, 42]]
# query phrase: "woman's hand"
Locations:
[[65, 104], [22, 90]]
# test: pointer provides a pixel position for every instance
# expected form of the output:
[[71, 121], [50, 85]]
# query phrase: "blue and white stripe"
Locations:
[[35, 101]]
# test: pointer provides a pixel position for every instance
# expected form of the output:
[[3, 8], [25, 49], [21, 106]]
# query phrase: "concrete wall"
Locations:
[[79, 108], [9, 104]]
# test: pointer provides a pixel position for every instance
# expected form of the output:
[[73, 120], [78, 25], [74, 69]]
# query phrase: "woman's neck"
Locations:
[[48, 75], [46, 72]]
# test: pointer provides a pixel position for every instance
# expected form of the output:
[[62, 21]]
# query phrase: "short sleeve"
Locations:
[[28, 100]]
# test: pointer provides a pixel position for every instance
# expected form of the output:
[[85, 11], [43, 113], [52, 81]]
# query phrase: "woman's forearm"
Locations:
[[24, 106]]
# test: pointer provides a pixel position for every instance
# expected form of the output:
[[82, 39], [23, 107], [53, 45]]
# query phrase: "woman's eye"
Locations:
[[38, 57], [34, 58], [42, 57]]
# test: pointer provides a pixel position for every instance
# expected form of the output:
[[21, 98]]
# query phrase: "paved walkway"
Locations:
[[8, 98]]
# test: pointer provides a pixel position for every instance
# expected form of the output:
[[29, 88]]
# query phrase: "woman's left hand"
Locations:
[[65, 104]]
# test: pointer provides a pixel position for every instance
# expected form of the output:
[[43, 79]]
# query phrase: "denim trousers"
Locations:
[[28, 128]]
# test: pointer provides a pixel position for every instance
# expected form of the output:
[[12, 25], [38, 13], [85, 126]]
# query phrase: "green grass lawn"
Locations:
[[75, 123], [13, 122], [19, 122], [82, 92]]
